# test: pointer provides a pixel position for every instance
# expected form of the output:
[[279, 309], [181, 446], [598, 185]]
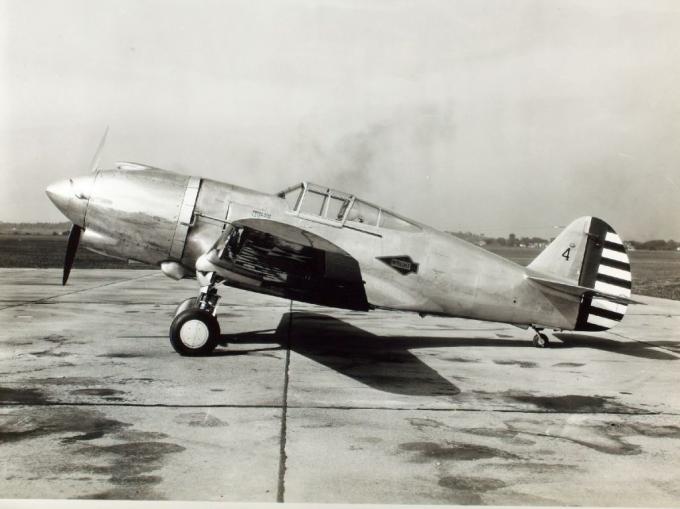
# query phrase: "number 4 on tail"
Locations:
[[566, 254]]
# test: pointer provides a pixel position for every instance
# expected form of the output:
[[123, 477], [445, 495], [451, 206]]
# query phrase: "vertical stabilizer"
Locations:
[[564, 256], [590, 254]]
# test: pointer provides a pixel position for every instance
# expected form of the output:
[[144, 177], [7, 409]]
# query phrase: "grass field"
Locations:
[[655, 273], [47, 251]]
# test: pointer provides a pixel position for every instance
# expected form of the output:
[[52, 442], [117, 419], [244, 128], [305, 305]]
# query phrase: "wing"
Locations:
[[279, 259]]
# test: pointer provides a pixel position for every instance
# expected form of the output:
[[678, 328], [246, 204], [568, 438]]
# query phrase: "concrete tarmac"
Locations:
[[310, 404]]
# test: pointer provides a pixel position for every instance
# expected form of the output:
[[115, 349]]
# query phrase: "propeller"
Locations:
[[98, 153], [74, 236], [71, 247]]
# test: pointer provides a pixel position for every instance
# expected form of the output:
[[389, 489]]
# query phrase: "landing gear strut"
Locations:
[[195, 330], [540, 339]]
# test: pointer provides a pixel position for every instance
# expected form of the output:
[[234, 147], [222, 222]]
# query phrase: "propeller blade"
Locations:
[[72, 246], [98, 153]]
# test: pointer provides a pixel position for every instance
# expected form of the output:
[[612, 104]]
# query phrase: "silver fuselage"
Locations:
[[155, 216]]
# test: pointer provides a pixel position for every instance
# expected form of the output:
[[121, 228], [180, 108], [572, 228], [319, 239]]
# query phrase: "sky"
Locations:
[[485, 116]]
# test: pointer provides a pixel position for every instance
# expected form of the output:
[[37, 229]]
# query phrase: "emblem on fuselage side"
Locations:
[[402, 264]]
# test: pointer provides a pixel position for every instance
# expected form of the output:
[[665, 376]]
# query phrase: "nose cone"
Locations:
[[60, 194], [71, 196]]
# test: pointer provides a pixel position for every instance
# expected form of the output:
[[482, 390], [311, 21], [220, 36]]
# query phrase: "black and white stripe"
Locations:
[[614, 279], [612, 276]]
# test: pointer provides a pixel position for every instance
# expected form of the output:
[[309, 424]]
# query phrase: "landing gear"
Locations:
[[194, 332], [540, 339], [190, 303], [195, 329]]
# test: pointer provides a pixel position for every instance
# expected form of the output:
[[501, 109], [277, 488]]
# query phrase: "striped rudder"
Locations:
[[606, 269]]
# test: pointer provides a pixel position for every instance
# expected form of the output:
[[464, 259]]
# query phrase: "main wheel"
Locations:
[[541, 341], [190, 303], [194, 332]]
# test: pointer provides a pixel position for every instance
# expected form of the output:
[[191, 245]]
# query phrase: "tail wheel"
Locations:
[[541, 340], [194, 332]]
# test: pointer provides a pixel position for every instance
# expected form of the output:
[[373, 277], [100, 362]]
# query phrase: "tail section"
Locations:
[[589, 256]]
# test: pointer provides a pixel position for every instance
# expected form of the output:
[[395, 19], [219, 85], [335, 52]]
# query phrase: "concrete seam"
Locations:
[[281, 487]]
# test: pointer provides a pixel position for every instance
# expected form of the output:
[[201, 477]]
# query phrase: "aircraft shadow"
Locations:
[[380, 362], [385, 362], [632, 348]]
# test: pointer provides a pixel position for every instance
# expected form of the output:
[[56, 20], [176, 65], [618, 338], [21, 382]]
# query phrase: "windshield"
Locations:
[[314, 201]]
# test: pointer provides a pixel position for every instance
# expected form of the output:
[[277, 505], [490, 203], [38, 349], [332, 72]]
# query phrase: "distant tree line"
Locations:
[[61, 228], [537, 242], [511, 241], [656, 245]]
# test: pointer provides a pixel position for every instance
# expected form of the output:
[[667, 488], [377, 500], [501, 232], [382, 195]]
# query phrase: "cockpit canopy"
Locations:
[[336, 208]]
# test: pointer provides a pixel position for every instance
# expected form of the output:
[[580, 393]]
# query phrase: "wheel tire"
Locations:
[[194, 332], [190, 303], [541, 341]]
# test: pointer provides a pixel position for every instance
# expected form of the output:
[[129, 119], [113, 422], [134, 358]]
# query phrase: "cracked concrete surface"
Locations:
[[310, 404]]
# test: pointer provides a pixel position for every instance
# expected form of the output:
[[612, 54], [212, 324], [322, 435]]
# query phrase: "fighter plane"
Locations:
[[323, 246]]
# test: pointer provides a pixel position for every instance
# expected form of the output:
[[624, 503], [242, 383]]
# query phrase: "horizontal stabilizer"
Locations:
[[571, 289]]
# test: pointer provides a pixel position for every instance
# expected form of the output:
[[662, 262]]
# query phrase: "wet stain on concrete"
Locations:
[[521, 364], [18, 343], [200, 419], [506, 435], [618, 431], [39, 422], [96, 392], [469, 490], [460, 359], [568, 365], [127, 465], [139, 436], [58, 341], [428, 451], [604, 437], [474, 484], [50, 353], [539, 468], [573, 403], [10, 395], [55, 338], [422, 423]]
